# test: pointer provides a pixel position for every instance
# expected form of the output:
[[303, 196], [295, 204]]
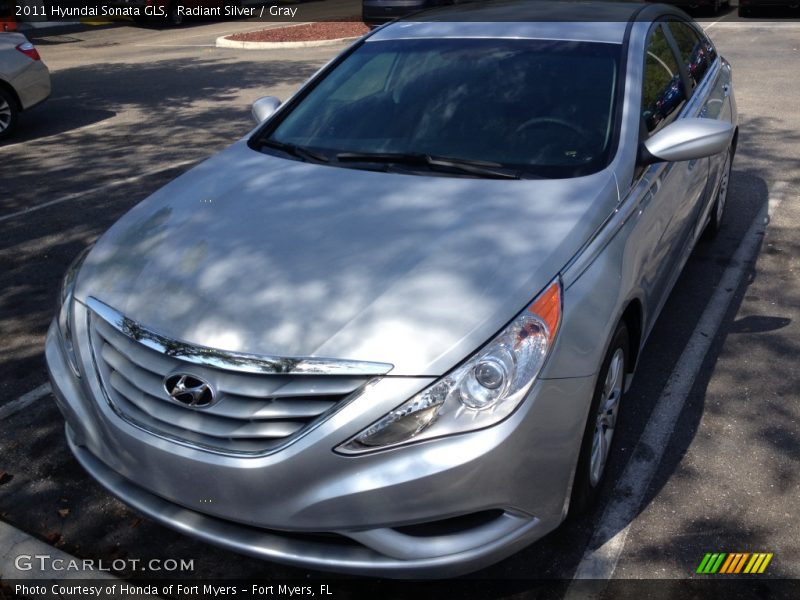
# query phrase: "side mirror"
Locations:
[[264, 107], [687, 139]]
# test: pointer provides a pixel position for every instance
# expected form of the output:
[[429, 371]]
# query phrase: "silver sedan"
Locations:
[[390, 332], [24, 79]]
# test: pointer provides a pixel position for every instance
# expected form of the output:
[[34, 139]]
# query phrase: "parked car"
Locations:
[[8, 20], [24, 80], [748, 8], [377, 12], [390, 331], [708, 6]]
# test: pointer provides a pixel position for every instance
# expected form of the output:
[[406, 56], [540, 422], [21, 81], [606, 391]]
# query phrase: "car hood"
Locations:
[[253, 253]]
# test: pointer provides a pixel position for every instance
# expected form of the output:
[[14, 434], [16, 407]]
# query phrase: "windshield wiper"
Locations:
[[296, 151], [478, 168]]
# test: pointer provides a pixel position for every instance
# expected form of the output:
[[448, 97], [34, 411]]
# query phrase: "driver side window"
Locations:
[[663, 93]]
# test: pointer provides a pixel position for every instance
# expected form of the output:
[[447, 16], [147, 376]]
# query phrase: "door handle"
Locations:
[[692, 164]]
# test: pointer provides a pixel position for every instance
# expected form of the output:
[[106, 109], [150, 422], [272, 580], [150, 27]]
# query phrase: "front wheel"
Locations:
[[718, 210], [598, 437], [8, 114]]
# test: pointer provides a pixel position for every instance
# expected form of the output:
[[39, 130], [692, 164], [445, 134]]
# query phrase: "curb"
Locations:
[[224, 42], [15, 543], [47, 581]]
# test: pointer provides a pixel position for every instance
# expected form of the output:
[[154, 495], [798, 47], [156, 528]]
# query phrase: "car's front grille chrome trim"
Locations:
[[233, 361], [259, 410]]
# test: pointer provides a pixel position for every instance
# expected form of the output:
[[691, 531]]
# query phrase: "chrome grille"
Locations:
[[256, 411]]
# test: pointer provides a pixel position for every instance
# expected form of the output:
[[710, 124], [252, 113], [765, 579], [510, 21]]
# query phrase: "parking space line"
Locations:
[[608, 540], [104, 123], [710, 25], [17, 405], [103, 188]]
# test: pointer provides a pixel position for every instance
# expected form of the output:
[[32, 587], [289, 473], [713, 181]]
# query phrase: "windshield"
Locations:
[[537, 108]]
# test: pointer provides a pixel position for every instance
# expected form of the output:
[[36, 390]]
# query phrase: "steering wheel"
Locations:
[[552, 121]]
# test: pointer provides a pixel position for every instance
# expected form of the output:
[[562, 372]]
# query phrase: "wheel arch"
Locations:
[[14, 96], [633, 316]]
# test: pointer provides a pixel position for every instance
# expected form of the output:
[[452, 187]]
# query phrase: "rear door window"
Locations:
[[663, 93], [697, 53]]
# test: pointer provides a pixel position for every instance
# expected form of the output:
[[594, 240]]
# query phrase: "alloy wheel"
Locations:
[[606, 418], [722, 195], [5, 114]]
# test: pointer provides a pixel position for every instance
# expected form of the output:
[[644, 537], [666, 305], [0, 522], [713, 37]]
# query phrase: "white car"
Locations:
[[24, 79]]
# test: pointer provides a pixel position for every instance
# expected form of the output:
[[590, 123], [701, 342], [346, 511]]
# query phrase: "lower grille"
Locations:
[[254, 413]]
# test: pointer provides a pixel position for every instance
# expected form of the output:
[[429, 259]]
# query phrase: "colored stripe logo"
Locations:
[[734, 563]]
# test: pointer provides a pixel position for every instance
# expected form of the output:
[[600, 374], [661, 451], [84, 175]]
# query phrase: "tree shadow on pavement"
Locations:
[[170, 111], [54, 117], [742, 465]]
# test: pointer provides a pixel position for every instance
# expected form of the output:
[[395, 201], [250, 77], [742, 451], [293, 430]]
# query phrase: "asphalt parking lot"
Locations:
[[132, 108]]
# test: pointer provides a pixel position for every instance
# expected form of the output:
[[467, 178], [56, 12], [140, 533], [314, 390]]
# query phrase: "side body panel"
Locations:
[[32, 84], [642, 248], [29, 78]]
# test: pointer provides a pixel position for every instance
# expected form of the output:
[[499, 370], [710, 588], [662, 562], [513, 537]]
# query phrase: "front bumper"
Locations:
[[311, 507]]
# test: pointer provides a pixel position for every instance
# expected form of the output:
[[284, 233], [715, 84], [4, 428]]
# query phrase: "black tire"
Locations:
[[9, 113], [745, 11], [586, 485], [717, 215], [141, 20]]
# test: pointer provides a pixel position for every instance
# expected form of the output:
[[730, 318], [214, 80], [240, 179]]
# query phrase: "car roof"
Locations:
[[581, 20]]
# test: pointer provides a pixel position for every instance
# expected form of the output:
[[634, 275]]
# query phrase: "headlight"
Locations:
[[65, 310], [482, 391]]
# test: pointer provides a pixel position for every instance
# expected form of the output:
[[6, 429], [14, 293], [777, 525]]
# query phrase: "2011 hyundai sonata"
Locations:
[[391, 330]]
